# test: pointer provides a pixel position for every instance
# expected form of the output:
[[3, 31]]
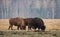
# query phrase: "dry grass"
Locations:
[[50, 24]]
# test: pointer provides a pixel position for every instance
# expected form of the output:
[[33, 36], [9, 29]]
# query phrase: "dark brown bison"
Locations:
[[38, 23], [28, 22], [35, 23], [19, 22]]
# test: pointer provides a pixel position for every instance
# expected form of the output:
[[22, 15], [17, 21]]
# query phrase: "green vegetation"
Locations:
[[14, 33]]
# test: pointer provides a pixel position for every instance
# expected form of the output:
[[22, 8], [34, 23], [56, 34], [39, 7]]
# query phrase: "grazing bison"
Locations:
[[19, 22], [38, 23], [35, 23]]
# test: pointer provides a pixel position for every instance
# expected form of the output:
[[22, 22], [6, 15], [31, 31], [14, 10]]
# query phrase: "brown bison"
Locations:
[[19, 22]]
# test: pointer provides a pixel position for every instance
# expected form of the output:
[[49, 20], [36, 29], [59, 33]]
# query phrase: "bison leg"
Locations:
[[21, 27], [38, 29], [33, 28], [18, 27], [10, 27]]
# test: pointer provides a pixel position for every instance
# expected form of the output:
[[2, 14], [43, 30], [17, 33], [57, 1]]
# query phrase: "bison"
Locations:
[[19, 22], [28, 22], [35, 23], [38, 23]]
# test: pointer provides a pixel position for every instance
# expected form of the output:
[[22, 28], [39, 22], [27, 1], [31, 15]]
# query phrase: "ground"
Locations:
[[14, 33]]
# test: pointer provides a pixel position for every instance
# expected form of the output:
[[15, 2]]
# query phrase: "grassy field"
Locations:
[[52, 29], [15, 33]]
